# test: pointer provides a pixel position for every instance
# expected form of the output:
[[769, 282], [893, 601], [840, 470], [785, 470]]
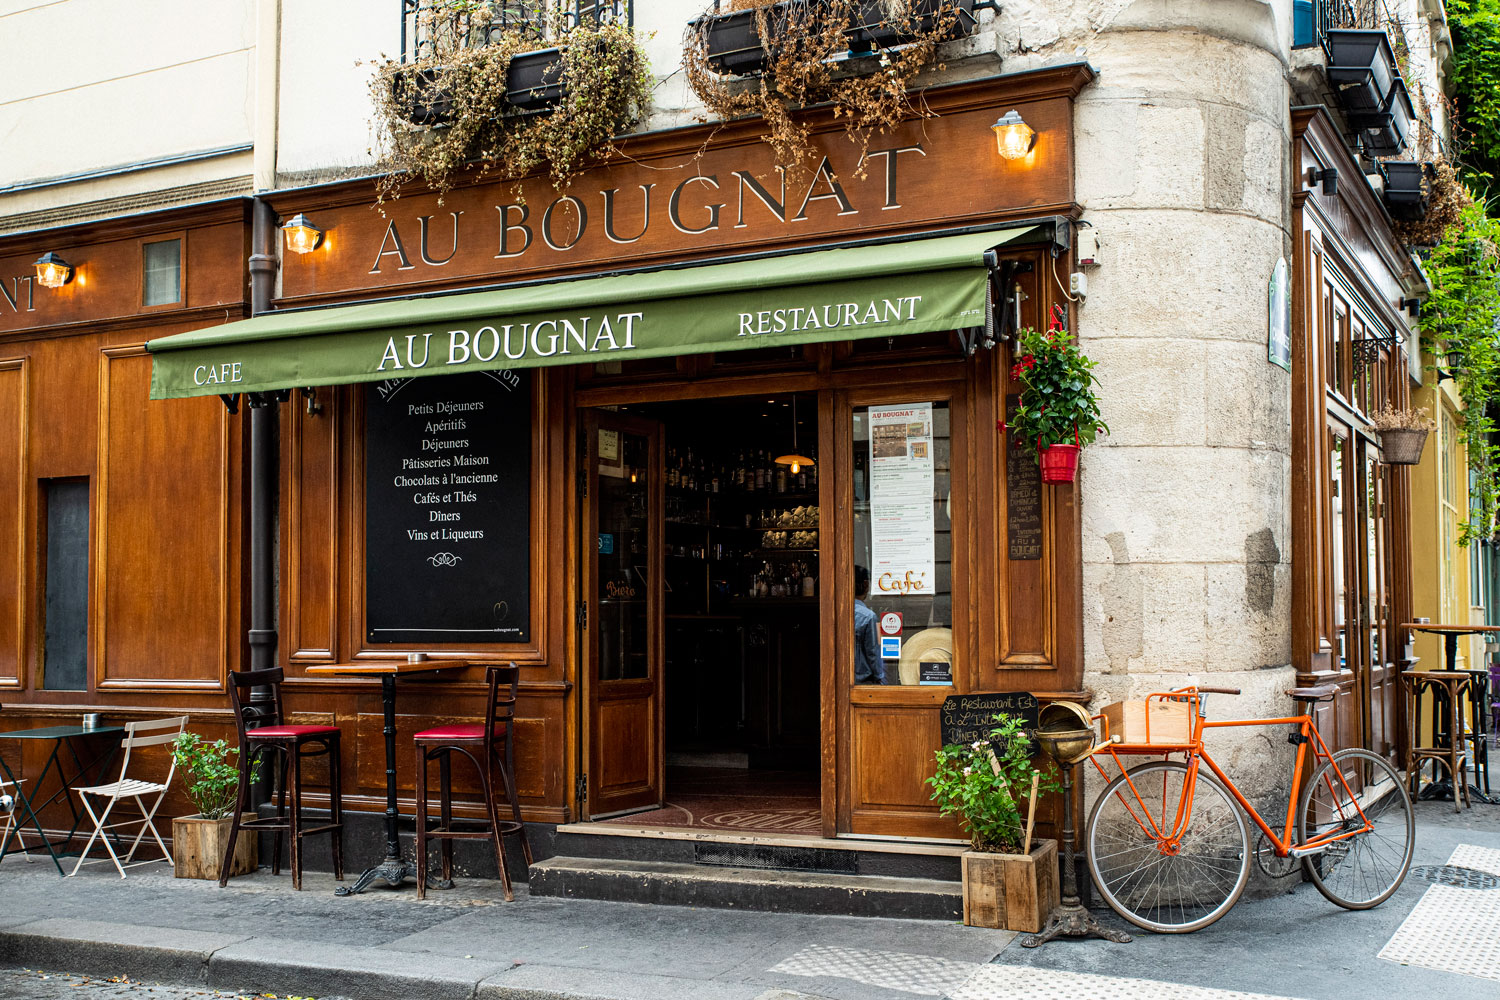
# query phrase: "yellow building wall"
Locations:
[[1440, 575]]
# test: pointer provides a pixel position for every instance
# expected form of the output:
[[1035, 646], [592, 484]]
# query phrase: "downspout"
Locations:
[[264, 431]]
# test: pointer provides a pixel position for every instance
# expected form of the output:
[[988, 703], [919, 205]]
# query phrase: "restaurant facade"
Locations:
[[516, 424]]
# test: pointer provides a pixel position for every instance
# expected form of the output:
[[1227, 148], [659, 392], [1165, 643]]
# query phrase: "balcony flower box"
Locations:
[[1408, 188], [535, 79], [735, 47], [1385, 130], [420, 92], [1361, 68], [873, 29]]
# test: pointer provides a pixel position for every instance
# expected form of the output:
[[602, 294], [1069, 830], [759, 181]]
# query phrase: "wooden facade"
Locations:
[[169, 597], [1351, 548]]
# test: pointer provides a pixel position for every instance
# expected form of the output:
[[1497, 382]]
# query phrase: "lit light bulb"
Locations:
[[1013, 136], [796, 467]]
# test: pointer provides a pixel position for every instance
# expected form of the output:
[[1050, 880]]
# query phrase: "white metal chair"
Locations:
[[8, 793], [165, 731]]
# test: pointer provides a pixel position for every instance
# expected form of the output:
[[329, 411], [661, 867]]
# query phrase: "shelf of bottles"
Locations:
[[745, 530]]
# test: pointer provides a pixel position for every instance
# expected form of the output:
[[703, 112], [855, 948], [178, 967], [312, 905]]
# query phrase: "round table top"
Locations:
[[1449, 629]]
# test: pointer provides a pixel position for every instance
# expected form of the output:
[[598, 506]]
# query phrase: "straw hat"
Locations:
[[930, 644]]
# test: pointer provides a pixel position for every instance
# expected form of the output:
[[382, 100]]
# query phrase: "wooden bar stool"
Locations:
[[290, 744], [494, 739], [1448, 745]]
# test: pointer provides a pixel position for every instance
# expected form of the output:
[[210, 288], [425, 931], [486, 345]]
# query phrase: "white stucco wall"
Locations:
[[93, 84]]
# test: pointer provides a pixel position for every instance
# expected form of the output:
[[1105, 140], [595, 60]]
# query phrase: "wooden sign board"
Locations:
[[967, 718], [447, 509]]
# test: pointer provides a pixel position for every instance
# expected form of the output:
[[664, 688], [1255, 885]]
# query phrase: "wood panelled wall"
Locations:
[[166, 617], [1349, 281]]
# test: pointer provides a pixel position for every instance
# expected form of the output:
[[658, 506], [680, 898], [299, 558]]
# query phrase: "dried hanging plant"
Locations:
[[1390, 418], [1446, 199], [805, 42], [447, 110]]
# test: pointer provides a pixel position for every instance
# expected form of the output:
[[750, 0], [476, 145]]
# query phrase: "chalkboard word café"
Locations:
[[652, 441]]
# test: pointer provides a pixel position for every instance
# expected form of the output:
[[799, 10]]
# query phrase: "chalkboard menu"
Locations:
[[1023, 492], [448, 508], [968, 718]]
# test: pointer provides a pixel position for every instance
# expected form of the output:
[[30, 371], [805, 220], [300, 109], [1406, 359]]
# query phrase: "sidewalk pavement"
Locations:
[[258, 935]]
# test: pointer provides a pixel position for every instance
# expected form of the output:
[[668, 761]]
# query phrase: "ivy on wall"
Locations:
[[1460, 316], [1475, 80]]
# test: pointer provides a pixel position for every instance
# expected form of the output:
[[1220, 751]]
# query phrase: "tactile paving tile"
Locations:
[[1019, 982], [891, 970], [1452, 929]]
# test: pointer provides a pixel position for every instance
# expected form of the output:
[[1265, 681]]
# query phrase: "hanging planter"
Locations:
[[1403, 434], [1403, 446], [1058, 412], [874, 27], [421, 96], [1059, 463], [535, 80]]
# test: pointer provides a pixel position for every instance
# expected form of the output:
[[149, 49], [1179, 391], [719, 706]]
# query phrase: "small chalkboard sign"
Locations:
[[967, 718]]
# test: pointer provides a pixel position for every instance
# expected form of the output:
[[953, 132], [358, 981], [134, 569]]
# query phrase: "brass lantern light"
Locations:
[[52, 271], [301, 235], [1013, 136]]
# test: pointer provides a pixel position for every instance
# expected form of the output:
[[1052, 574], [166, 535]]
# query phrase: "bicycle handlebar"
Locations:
[[1209, 690]]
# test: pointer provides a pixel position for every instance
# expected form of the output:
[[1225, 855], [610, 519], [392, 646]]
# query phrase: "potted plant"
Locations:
[[1058, 412], [798, 50], [1009, 882], [593, 81], [1408, 187], [212, 776], [1403, 433]]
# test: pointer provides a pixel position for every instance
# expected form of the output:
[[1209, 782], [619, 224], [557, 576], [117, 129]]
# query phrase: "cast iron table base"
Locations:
[[1070, 919]]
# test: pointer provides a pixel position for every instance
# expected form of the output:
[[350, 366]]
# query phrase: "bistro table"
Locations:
[[392, 868], [1442, 788], [60, 736]]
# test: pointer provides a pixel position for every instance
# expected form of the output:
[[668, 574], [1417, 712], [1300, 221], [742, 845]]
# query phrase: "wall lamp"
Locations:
[[1328, 177], [52, 271], [1455, 361], [1014, 137], [301, 235]]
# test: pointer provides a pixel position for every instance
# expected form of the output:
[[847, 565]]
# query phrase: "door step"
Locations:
[[743, 888]]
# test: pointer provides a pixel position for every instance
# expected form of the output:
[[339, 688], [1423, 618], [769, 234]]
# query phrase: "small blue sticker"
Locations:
[[606, 545], [890, 647]]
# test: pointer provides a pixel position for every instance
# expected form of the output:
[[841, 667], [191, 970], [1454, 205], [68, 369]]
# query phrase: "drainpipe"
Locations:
[[263, 470]]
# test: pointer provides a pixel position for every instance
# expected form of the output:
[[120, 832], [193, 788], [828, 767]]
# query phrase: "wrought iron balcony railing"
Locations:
[[430, 27], [1313, 19]]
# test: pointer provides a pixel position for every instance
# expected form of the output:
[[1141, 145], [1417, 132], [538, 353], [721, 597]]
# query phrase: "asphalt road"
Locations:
[[29, 984]]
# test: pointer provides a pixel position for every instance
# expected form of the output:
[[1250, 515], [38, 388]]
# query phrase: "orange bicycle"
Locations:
[[1169, 847]]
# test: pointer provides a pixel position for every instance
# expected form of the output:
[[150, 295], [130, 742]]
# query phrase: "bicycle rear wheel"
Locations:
[[1362, 870], [1150, 882]]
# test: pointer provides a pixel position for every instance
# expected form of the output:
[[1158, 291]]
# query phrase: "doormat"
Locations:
[[734, 813]]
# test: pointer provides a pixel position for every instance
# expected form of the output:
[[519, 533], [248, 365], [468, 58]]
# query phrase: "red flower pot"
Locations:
[[1060, 463]]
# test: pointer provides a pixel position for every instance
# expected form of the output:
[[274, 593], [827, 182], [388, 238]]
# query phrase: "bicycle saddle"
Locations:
[[1323, 692]]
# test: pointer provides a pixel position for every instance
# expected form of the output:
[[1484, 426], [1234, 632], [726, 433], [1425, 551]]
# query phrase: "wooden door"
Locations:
[[1379, 680], [622, 518]]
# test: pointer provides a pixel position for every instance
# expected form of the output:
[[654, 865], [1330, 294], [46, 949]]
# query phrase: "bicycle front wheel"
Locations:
[[1148, 878], [1359, 870]]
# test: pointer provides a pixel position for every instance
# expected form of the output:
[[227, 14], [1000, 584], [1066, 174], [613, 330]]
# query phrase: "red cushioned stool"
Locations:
[[494, 739], [290, 744]]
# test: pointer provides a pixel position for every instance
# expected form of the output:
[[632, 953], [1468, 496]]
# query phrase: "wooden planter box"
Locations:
[[1013, 892], [198, 847]]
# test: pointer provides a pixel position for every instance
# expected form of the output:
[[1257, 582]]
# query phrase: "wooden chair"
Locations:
[[289, 744], [494, 740], [143, 796]]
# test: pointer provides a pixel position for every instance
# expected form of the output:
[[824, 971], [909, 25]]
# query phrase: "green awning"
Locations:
[[884, 290]]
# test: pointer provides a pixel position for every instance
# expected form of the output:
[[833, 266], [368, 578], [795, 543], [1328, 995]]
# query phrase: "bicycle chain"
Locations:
[[1269, 862]]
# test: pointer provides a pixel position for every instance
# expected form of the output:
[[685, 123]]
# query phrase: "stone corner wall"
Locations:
[[1183, 146]]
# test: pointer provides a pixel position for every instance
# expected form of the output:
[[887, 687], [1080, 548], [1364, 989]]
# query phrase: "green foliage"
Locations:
[[463, 80], [986, 784], [1058, 405], [1474, 77], [1461, 316], [213, 781]]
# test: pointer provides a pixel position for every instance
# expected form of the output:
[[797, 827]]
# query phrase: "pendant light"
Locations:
[[796, 460]]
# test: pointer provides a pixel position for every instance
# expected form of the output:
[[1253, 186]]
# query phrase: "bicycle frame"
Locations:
[[1194, 752]]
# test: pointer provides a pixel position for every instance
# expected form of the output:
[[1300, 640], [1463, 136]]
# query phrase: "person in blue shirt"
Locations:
[[869, 668]]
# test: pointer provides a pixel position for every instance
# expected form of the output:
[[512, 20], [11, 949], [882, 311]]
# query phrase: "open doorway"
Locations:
[[726, 504]]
